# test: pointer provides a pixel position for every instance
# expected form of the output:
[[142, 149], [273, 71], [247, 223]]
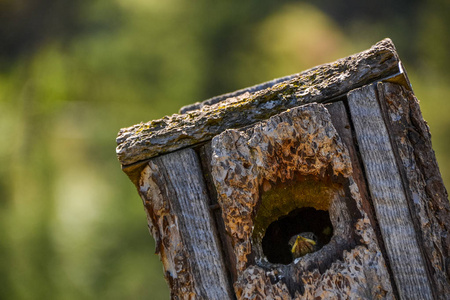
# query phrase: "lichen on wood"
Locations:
[[299, 142], [145, 140]]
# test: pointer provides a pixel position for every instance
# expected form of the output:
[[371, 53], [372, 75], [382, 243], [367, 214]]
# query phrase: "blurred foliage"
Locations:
[[74, 72]]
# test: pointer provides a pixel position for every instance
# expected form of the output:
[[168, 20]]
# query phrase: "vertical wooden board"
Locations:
[[341, 122], [425, 189], [174, 185], [205, 153], [388, 195]]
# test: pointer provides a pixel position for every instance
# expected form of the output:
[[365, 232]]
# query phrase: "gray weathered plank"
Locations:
[[205, 153], [388, 195], [420, 173], [146, 140], [341, 122], [174, 194]]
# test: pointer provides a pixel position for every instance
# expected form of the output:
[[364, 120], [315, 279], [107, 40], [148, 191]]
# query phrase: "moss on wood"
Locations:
[[145, 140]]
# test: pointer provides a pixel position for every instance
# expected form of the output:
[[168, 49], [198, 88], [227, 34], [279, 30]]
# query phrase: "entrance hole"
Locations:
[[307, 219]]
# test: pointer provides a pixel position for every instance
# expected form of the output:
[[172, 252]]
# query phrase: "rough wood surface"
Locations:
[[239, 93], [177, 206], [341, 122], [298, 143], [143, 141], [388, 195], [205, 153], [426, 193]]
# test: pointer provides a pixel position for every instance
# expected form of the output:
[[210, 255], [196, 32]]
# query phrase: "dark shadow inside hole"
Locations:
[[308, 219]]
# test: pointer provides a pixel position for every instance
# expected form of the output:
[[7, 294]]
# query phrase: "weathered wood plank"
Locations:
[[146, 140], [175, 197], [426, 193], [205, 152], [341, 122], [238, 93], [388, 195]]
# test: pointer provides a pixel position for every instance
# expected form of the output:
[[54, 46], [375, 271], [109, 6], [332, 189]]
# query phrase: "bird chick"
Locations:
[[302, 244]]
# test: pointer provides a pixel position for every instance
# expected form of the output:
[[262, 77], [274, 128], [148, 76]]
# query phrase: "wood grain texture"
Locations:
[[205, 153], [281, 152], [388, 195], [427, 196], [174, 194], [341, 122], [146, 140]]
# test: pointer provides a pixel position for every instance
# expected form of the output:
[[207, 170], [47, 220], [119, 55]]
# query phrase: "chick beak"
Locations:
[[302, 246]]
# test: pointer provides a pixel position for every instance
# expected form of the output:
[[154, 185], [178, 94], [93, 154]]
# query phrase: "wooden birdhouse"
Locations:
[[319, 185]]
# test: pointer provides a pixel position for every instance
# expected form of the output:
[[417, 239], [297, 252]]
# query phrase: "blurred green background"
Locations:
[[73, 72]]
